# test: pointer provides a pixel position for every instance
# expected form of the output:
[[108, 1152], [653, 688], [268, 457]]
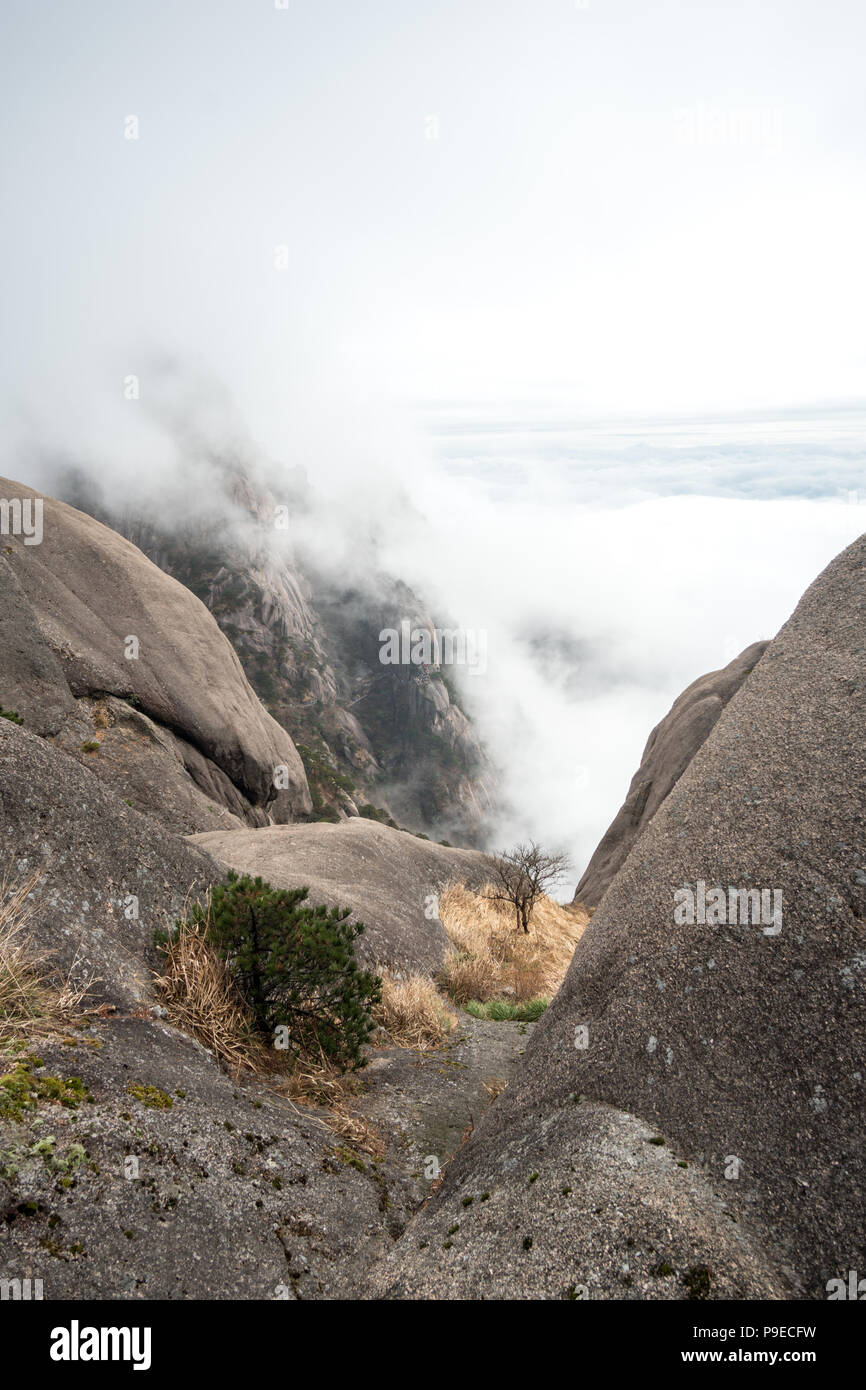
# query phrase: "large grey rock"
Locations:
[[155, 770], [108, 876], [32, 683], [90, 592], [579, 1204], [388, 878], [669, 750], [740, 1045], [221, 1190]]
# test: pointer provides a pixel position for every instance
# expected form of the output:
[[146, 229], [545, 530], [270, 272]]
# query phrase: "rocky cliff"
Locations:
[[384, 740]]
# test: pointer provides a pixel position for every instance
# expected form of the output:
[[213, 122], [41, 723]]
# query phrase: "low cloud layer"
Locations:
[[603, 584]]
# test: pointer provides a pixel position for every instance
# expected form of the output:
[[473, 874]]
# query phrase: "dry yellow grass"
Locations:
[[197, 989], [412, 1011], [33, 998], [319, 1084], [492, 959], [494, 1086]]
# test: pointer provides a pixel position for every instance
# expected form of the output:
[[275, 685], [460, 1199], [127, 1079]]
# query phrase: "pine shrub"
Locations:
[[295, 967]]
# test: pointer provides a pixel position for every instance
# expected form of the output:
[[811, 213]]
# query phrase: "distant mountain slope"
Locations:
[[376, 738]]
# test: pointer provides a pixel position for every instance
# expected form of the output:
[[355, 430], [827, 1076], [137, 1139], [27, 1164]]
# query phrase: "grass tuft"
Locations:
[[33, 998], [501, 1011], [197, 989], [321, 1085], [412, 1011]]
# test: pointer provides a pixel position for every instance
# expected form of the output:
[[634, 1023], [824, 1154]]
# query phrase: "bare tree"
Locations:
[[523, 875]]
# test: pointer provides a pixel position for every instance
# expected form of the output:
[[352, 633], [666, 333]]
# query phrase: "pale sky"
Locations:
[[629, 205]]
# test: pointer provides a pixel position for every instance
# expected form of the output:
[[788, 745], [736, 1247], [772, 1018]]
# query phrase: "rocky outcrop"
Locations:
[[669, 750], [155, 770], [171, 1180], [388, 878], [108, 877], [90, 616], [580, 1205], [32, 683], [691, 1104], [429, 767]]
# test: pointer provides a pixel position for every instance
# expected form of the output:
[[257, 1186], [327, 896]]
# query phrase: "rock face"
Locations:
[[739, 1044], [156, 770], [579, 1205], [91, 616], [109, 876], [669, 750], [32, 683], [191, 1185], [428, 764], [387, 877]]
